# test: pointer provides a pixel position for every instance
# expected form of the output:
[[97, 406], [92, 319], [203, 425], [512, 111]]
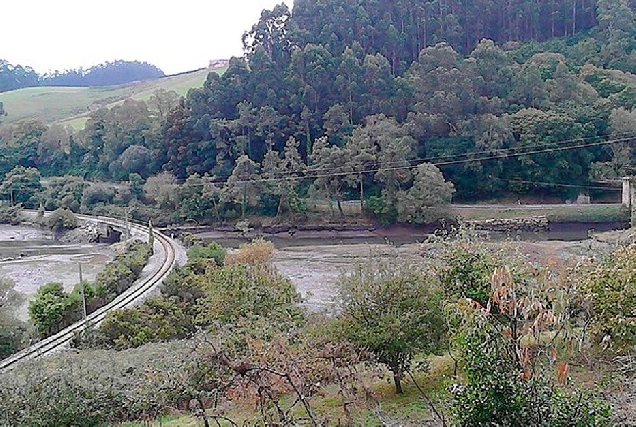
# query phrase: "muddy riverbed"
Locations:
[[314, 263], [31, 257], [315, 270]]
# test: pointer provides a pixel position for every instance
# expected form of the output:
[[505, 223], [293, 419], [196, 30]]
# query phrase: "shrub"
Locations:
[[392, 311], [52, 309], [211, 251], [258, 251], [122, 272], [158, 319], [508, 379], [11, 215], [466, 273], [242, 291], [62, 219], [609, 290]]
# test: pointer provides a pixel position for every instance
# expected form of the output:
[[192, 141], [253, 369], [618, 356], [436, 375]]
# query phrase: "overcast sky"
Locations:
[[175, 35]]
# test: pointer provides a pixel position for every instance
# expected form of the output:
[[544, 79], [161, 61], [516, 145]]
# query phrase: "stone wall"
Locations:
[[532, 224]]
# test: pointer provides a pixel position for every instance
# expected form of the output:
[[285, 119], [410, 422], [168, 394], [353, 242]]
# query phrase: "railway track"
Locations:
[[129, 297]]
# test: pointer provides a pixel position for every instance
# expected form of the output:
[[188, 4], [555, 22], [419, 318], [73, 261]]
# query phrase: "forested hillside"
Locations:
[[107, 74], [345, 99]]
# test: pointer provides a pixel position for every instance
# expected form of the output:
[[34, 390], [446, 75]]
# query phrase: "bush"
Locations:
[[511, 374], [258, 251], [122, 272], [11, 215], [158, 319], [609, 290], [392, 311], [242, 291], [466, 273], [62, 219], [212, 251], [53, 309]]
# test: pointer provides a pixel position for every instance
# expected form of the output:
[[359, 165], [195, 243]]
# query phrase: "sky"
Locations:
[[174, 35]]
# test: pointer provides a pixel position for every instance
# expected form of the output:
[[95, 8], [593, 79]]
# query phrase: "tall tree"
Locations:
[[243, 187], [427, 199], [329, 168]]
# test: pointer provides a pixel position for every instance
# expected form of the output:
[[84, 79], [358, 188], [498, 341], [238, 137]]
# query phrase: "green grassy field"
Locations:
[[556, 213], [71, 105]]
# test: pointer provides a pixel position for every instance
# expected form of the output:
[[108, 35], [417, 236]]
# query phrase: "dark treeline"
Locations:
[[319, 108], [109, 73], [400, 29]]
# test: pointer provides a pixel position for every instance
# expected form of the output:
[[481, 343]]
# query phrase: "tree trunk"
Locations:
[[244, 201], [397, 378], [361, 194], [342, 215]]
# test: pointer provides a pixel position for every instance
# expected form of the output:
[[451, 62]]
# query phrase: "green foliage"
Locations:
[[466, 272], [10, 214], [428, 199], [158, 319], [212, 251], [247, 295], [52, 309], [512, 375], [393, 311], [97, 388], [252, 292], [22, 185], [122, 272], [12, 330], [497, 391], [62, 219], [609, 289]]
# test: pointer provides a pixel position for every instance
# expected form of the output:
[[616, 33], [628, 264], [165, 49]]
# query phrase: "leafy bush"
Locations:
[[391, 311], [243, 292], [211, 251], [11, 214], [52, 309], [122, 272], [244, 295], [12, 330], [62, 219], [97, 388], [466, 273], [609, 289], [158, 319], [507, 364]]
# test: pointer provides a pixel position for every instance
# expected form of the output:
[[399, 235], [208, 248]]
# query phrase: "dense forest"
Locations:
[[377, 101], [109, 73]]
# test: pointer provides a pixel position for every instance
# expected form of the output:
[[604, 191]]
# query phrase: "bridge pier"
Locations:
[[628, 199]]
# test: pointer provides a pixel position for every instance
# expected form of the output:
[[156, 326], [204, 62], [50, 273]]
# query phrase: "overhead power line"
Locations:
[[437, 161]]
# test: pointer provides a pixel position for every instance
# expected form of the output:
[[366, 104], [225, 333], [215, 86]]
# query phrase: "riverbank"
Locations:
[[576, 220]]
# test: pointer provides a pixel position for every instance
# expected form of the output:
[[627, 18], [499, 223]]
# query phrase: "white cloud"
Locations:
[[174, 35]]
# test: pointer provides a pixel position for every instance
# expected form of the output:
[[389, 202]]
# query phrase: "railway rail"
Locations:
[[126, 299]]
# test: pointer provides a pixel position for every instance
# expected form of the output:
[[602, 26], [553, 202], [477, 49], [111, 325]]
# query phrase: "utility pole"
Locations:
[[83, 294]]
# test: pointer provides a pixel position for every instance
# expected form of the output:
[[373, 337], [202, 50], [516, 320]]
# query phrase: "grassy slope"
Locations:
[[71, 105]]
